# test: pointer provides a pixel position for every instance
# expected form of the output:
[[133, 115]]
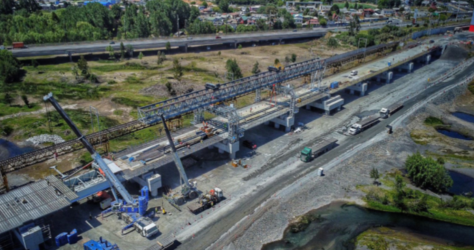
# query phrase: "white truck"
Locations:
[[363, 124], [145, 227], [387, 112]]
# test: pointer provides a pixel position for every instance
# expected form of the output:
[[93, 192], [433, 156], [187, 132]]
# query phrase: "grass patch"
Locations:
[[118, 112], [8, 110], [421, 137], [28, 126], [454, 211], [118, 67], [433, 121], [129, 102], [470, 87]]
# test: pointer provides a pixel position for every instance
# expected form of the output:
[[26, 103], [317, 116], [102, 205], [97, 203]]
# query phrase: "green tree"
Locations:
[[255, 69], [322, 21], [293, 58], [177, 69], [34, 63], [240, 46], [6, 7], [8, 99], [374, 174], [122, 51], [277, 61], [287, 59], [194, 14], [422, 204], [140, 56], [204, 4], [425, 172], [332, 42], [10, 68], [82, 66], [399, 184], [224, 5], [346, 5], [170, 89], [111, 51], [25, 100], [168, 46], [335, 8], [233, 69], [161, 57], [129, 49]]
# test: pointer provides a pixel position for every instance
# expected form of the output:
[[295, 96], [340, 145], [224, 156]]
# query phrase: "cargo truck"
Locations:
[[323, 146], [206, 201], [18, 45], [363, 124], [387, 112]]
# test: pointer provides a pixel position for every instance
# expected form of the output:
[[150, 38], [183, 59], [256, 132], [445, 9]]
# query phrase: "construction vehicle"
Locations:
[[212, 86], [144, 225], [18, 45], [188, 189], [207, 200], [387, 112], [323, 146], [363, 124], [128, 204]]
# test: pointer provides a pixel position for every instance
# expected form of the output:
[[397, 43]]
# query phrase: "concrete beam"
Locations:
[[359, 87], [284, 121], [228, 147]]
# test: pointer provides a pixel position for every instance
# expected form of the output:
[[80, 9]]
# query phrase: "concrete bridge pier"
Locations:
[[229, 147], [235, 45], [424, 59], [308, 107], [69, 53], [284, 121], [408, 67], [387, 76], [359, 87], [329, 104]]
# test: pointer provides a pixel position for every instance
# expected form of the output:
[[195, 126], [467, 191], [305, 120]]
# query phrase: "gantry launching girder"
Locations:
[[233, 119]]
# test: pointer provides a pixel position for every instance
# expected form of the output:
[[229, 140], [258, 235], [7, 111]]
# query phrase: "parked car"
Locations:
[[112, 42], [249, 144], [295, 30], [431, 41], [190, 38], [218, 37]]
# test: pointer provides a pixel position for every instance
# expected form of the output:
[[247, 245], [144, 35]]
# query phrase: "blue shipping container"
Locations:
[[61, 239], [334, 85]]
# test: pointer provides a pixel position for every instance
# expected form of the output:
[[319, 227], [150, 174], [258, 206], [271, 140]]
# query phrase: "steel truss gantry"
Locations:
[[204, 98], [233, 119]]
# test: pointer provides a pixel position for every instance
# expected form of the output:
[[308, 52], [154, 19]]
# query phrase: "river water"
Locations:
[[9, 149], [341, 224]]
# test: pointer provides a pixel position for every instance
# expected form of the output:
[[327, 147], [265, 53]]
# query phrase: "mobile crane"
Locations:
[[118, 205], [188, 189]]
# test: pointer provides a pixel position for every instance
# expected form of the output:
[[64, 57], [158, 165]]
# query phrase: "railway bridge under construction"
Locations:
[[230, 123]]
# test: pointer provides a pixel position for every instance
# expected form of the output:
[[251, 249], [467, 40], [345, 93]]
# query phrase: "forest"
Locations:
[[92, 22]]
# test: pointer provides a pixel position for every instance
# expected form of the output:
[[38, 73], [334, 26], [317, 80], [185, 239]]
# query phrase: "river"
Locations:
[[341, 224]]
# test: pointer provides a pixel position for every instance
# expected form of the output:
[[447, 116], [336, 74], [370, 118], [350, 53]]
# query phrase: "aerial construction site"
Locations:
[[238, 176]]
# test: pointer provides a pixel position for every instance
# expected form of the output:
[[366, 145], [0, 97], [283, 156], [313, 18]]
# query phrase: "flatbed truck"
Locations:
[[387, 112], [323, 146], [363, 124], [206, 201]]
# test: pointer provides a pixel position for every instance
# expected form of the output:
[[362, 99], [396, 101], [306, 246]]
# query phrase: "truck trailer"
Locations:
[[18, 45], [363, 124], [387, 112], [323, 146]]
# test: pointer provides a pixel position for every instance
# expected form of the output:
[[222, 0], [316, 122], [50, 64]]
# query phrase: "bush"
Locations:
[[426, 172], [6, 130], [111, 82], [433, 121]]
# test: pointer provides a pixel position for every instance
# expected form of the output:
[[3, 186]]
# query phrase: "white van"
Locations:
[[354, 73]]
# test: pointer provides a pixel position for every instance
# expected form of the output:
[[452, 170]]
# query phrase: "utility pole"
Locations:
[[177, 23]]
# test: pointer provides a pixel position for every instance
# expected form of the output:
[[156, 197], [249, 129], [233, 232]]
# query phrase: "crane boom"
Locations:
[[114, 181], [176, 158]]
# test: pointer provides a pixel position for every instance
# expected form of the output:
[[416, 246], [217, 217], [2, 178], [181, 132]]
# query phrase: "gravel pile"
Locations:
[[40, 139]]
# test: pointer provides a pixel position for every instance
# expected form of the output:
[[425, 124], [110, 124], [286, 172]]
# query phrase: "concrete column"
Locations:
[[235, 45], [186, 48], [277, 125], [352, 91], [69, 53], [233, 148], [308, 107], [378, 78], [428, 59], [266, 123], [221, 151]]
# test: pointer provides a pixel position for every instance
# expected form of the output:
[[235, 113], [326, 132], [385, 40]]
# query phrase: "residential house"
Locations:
[[387, 12], [255, 8], [313, 21], [298, 18], [368, 12], [215, 20]]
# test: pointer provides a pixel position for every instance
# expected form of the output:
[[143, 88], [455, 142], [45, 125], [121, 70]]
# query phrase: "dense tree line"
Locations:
[[96, 22], [10, 68], [427, 172]]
